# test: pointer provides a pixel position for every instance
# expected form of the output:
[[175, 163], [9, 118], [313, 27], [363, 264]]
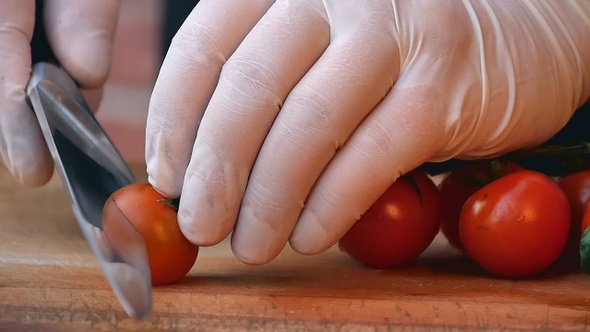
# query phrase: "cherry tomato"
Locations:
[[170, 254], [462, 183], [517, 225], [399, 226], [576, 187]]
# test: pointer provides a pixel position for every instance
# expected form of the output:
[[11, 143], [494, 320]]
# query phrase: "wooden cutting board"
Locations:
[[49, 281]]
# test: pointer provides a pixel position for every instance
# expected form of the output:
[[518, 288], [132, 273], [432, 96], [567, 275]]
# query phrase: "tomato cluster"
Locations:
[[513, 222]]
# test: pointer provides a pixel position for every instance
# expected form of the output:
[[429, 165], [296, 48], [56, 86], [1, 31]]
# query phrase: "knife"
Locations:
[[91, 169]]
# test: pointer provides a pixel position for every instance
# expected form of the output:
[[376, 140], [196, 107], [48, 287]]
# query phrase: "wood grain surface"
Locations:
[[49, 281]]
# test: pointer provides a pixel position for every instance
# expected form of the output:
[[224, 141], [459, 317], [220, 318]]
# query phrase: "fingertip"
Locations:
[[32, 167], [310, 238], [164, 176], [257, 242], [81, 33], [204, 217], [249, 258], [33, 175], [163, 187], [200, 233], [248, 251], [86, 56], [22, 147], [167, 155], [88, 60], [26, 157]]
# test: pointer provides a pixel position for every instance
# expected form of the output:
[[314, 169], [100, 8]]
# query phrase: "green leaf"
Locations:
[[585, 251]]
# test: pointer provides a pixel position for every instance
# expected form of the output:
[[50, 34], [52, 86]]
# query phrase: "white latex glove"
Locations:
[[286, 121], [80, 33]]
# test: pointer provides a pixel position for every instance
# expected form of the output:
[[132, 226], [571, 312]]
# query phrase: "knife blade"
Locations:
[[91, 169]]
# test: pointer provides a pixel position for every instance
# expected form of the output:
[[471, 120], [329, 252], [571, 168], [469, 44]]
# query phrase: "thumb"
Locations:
[[81, 34]]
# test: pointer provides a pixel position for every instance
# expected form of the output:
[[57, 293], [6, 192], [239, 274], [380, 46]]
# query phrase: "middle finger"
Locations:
[[348, 81]]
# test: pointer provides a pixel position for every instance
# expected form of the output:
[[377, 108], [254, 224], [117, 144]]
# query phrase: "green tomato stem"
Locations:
[[173, 203]]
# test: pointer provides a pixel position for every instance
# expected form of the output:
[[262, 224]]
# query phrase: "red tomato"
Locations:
[[399, 226], [576, 187], [170, 254], [462, 183], [517, 225]]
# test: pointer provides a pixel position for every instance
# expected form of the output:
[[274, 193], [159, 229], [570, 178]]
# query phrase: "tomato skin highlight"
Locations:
[[459, 185], [170, 254], [399, 226], [517, 225]]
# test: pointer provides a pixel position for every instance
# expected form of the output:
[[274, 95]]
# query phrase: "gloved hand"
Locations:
[[285, 121], [81, 34]]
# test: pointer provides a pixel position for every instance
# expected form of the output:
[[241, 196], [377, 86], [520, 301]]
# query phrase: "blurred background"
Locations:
[[144, 31]]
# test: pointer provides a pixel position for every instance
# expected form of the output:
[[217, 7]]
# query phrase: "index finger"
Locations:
[[22, 147], [186, 81]]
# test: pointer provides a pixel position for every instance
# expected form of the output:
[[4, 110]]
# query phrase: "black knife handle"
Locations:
[[40, 49]]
